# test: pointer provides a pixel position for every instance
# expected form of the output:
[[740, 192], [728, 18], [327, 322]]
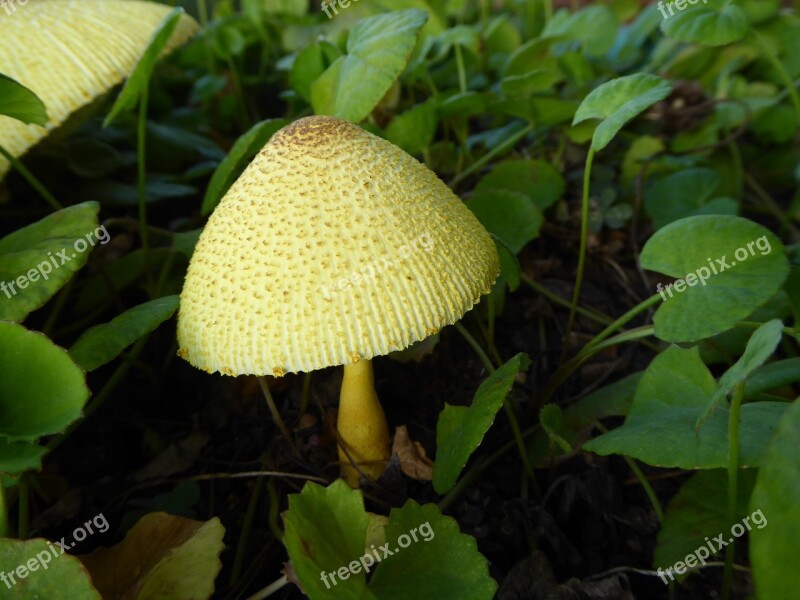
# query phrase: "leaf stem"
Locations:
[[576, 293], [733, 481], [31, 179], [497, 150]]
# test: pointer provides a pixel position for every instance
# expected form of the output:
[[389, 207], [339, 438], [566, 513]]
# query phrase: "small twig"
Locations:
[[276, 416], [270, 589]]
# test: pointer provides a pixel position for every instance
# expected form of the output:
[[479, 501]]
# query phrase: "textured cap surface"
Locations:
[[333, 245], [71, 51]]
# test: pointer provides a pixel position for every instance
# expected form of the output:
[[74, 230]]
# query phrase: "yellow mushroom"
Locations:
[[69, 52], [334, 246]]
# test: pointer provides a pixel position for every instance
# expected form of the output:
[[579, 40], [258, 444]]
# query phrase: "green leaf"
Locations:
[[772, 376], [692, 249], [329, 533], [537, 179], [37, 260], [759, 349], [413, 130], [698, 511], [578, 418], [378, 50], [510, 216], [777, 495], [660, 428], [18, 457], [18, 102], [103, 343], [464, 573], [59, 577], [510, 270], [618, 101], [310, 64], [684, 194], [551, 419], [41, 391], [595, 27], [707, 25], [325, 529], [460, 429], [232, 165], [139, 80]]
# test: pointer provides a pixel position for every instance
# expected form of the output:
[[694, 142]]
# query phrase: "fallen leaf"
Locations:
[[413, 460]]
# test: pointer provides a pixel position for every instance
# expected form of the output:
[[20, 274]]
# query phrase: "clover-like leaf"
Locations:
[[510, 216], [618, 101], [684, 194], [707, 25], [660, 428], [378, 50], [536, 179], [37, 260], [728, 266], [42, 390]]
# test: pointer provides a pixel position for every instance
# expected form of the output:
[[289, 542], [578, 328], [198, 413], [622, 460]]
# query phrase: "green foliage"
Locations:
[[460, 429], [18, 102]]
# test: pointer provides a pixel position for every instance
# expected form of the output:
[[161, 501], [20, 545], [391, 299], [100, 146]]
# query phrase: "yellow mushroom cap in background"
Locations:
[[334, 245], [69, 52]]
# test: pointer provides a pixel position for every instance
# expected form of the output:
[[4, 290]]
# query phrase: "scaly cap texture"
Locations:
[[334, 245], [69, 52]]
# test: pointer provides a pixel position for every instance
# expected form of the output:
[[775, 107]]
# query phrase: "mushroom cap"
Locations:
[[333, 246], [69, 52]]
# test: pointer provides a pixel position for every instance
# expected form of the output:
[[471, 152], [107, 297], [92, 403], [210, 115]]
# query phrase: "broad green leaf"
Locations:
[[510, 270], [777, 495], [163, 556], [332, 542], [760, 347], [537, 179], [772, 376], [326, 528], [41, 390], [595, 27], [139, 80], [660, 428], [232, 165], [707, 25], [413, 130], [378, 50], [460, 429], [510, 216], [684, 194], [103, 343], [551, 419], [733, 265], [37, 260], [18, 102], [464, 104], [578, 418], [18, 457], [532, 82], [618, 101], [310, 64], [698, 511], [419, 566], [49, 573]]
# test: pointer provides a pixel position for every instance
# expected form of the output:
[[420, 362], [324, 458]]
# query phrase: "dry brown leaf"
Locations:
[[413, 460]]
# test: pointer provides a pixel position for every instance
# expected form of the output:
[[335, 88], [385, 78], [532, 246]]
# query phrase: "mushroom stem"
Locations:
[[361, 424]]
